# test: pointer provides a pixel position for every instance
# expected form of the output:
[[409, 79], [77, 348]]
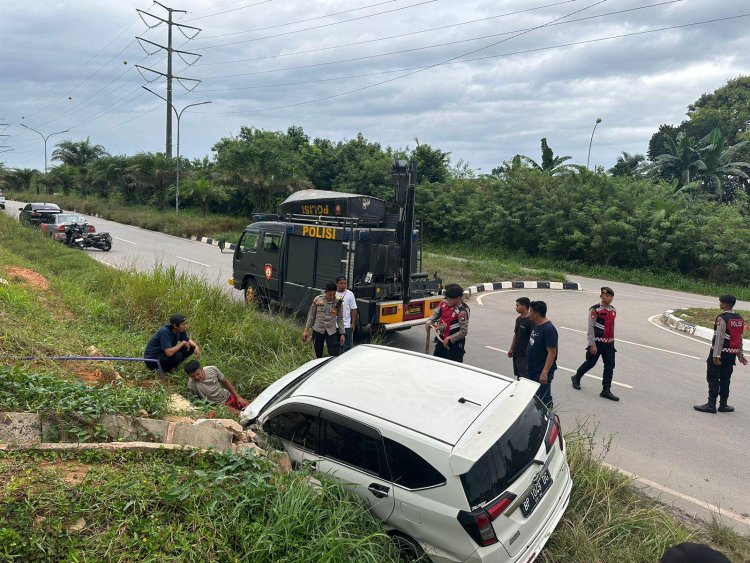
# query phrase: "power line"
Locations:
[[413, 70], [228, 11], [448, 43], [301, 21], [395, 36], [321, 25]]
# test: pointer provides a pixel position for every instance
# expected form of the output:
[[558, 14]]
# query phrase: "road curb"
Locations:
[[676, 323], [493, 286]]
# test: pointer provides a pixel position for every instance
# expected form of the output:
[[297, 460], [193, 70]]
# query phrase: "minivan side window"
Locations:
[[249, 241], [296, 427], [352, 447], [409, 469]]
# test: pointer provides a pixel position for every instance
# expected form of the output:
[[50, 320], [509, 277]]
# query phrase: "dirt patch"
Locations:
[[29, 278], [90, 374], [69, 471]]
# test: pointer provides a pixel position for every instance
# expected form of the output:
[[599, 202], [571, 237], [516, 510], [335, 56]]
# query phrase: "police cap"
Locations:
[[453, 290], [608, 291]]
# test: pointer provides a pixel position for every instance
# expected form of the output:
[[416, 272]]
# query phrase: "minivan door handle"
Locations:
[[379, 491]]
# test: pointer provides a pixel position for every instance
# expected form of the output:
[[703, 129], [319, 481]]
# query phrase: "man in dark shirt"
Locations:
[[521, 335], [171, 344], [541, 355]]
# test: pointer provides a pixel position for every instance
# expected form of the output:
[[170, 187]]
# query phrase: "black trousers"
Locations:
[[171, 362], [454, 352], [719, 377], [607, 352], [330, 340], [520, 369]]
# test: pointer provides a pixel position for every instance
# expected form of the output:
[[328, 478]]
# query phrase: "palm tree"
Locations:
[[718, 164], [77, 153], [627, 165], [680, 161], [551, 164]]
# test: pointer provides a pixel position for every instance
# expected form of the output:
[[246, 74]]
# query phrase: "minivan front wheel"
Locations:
[[409, 548]]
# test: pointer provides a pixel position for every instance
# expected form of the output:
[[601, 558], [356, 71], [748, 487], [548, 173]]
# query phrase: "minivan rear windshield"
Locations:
[[504, 462]]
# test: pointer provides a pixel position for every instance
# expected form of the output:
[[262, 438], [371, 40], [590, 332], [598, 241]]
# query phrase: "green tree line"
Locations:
[[684, 208]]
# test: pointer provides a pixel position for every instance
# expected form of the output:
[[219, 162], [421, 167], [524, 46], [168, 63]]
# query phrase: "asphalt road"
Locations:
[[697, 461]]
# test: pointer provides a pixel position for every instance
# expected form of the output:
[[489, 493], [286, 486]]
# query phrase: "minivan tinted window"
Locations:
[[502, 464], [296, 427], [352, 447], [409, 469]]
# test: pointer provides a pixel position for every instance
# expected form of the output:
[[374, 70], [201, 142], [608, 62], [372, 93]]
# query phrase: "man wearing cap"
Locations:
[[726, 348], [450, 320], [348, 310], [600, 342], [171, 344]]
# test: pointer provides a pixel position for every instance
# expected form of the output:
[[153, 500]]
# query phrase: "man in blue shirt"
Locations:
[[171, 344], [541, 354]]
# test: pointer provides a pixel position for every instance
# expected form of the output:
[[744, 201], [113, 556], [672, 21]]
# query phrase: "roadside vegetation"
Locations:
[[180, 507], [706, 317]]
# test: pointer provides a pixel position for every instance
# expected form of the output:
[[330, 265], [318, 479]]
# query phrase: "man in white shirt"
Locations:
[[349, 310]]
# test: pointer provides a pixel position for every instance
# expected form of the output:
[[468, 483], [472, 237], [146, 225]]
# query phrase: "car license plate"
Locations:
[[536, 494]]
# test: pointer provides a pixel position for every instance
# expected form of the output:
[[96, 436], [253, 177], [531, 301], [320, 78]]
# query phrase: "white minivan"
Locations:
[[459, 463]]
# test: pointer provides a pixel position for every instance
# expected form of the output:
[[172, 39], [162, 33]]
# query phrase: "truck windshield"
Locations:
[[508, 458], [249, 241]]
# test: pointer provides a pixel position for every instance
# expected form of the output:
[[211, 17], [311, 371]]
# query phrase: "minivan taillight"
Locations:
[[478, 523], [553, 433]]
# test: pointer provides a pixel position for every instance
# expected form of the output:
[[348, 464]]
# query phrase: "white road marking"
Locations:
[[625, 385], [658, 324], [667, 296], [123, 240], [641, 345], [487, 294], [712, 507], [193, 261]]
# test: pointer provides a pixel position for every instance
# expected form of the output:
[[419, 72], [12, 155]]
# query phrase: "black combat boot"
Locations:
[[576, 381], [607, 394], [724, 407], [708, 407]]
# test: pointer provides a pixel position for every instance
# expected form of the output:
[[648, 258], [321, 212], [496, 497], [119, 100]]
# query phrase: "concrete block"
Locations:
[[127, 429], [20, 428], [201, 437]]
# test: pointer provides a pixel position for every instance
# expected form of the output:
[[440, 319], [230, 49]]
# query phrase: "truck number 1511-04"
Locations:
[[319, 232]]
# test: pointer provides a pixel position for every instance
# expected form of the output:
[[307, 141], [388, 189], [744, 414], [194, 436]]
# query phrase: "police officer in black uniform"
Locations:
[[726, 346], [600, 342], [450, 320]]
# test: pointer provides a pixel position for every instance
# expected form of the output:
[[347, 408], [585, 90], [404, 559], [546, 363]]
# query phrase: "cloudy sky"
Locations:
[[481, 79]]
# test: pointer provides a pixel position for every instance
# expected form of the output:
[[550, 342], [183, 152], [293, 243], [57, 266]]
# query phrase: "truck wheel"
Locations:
[[251, 292]]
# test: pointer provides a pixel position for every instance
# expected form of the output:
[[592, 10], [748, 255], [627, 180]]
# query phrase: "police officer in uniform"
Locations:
[[327, 323], [600, 342], [726, 346], [450, 320]]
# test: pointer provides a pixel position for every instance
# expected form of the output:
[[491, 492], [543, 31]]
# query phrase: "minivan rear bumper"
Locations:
[[496, 553]]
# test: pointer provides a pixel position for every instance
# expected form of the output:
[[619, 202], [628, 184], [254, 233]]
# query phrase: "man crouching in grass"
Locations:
[[213, 386]]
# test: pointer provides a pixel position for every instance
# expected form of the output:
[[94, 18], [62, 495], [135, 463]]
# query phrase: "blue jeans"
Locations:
[[545, 391], [348, 337]]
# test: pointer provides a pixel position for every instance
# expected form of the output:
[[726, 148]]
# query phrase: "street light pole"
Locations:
[[45, 141], [598, 121], [179, 115]]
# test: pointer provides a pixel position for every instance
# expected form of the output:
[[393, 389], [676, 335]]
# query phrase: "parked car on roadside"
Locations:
[[2, 200], [459, 463], [35, 214], [53, 225]]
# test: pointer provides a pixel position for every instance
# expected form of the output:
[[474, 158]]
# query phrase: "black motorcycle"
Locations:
[[77, 236]]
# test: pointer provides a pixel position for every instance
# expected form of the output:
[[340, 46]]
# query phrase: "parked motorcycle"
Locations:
[[77, 236]]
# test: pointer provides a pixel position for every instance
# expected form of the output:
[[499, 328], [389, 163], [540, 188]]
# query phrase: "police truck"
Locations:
[[287, 258]]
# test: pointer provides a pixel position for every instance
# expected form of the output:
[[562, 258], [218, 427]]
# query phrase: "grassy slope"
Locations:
[[89, 304]]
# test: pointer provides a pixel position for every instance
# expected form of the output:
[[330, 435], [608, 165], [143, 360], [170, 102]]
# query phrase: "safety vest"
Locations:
[[449, 318], [733, 334], [604, 323]]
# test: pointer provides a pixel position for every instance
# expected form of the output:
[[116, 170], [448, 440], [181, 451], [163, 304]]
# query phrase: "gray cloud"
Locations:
[[482, 111]]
